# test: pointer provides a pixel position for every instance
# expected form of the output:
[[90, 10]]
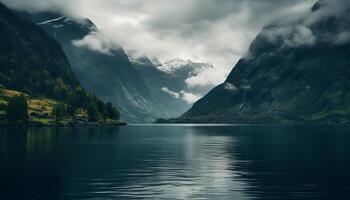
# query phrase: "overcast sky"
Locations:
[[213, 31]]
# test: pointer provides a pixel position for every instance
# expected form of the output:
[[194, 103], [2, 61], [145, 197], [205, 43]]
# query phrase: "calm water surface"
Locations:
[[176, 162]]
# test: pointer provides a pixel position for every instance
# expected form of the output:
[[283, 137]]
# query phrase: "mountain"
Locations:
[[33, 64], [296, 71], [31, 61], [182, 70], [155, 80], [167, 82], [108, 73], [134, 84]]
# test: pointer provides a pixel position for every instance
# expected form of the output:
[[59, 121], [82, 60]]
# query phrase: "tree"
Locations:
[[112, 112], [71, 111], [101, 108], [59, 111], [93, 114], [17, 110], [79, 98]]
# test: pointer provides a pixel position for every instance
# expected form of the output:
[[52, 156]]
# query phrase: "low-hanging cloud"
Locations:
[[171, 93], [189, 97], [186, 96], [61, 6], [96, 41], [207, 77], [299, 31], [291, 36], [212, 31]]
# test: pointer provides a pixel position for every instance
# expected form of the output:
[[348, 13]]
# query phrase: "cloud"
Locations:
[[186, 96], [62, 6], [302, 36], [291, 36], [327, 8], [172, 93], [95, 41], [211, 31], [211, 76], [314, 26], [189, 97]]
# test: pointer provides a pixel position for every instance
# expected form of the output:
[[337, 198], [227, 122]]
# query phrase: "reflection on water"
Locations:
[[176, 162]]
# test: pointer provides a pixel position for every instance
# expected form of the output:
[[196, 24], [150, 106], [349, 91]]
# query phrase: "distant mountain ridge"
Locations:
[[110, 76], [168, 83], [134, 85], [295, 72], [188, 67]]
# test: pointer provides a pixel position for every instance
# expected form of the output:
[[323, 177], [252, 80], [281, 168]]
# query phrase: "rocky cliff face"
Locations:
[[295, 72]]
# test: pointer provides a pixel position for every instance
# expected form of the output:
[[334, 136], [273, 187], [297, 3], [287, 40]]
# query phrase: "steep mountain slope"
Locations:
[[295, 72], [156, 79], [31, 61], [107, 72], [135, 85], [167, 82], [34, 63]]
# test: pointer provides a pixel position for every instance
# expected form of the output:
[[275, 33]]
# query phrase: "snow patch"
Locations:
[[193, 68], [230, 87], [50, 21]]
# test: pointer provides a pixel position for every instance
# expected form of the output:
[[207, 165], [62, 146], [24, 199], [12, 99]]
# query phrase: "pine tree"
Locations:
[[17, 110], [112, 112], [93, 114], [59, 111]]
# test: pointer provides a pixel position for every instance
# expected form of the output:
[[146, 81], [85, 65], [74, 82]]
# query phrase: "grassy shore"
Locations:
[[40, 112]]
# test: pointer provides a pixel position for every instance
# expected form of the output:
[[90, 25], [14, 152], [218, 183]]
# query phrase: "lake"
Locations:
[[176, 162]]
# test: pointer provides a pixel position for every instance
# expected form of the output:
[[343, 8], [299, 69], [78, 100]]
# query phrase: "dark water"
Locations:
[[176, 162]]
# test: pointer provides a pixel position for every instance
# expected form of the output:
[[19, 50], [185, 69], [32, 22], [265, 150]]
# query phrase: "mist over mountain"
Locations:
[[296, 71], [200, 30], [184, 99], [106, 72], [135, 85], [167, 82]]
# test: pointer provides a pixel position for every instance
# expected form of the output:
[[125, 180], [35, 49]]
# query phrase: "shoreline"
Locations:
[[87, 124]]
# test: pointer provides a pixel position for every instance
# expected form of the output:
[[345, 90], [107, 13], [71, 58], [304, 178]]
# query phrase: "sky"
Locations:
[[212, 31]]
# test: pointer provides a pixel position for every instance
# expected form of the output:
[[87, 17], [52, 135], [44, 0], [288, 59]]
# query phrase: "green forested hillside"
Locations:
[[31, 61], [34, 63]]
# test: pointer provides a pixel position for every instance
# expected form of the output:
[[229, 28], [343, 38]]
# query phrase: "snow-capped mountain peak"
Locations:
[[183, 66]]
